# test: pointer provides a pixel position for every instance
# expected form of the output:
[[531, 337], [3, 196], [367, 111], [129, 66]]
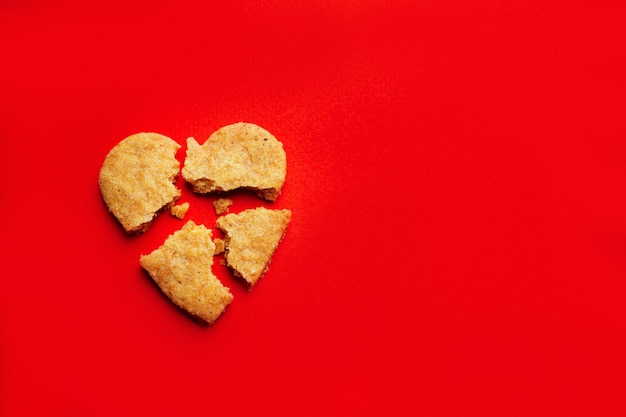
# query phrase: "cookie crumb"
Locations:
[[219, 246], [179, 211], [222, 205]]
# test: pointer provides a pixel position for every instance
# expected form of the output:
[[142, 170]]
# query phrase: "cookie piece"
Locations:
[[251, 237], [222, 205], [137, 179], [180, 210], [241, 155], [181, 267]]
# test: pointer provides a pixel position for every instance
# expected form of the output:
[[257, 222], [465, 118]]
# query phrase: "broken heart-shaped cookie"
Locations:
[[137, 181]]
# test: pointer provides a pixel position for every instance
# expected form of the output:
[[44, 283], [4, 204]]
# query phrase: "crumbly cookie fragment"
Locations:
[[241, 155], [251, 238], [222, 205], [137, 179], [180, 210], [181, 267], [219, 246]]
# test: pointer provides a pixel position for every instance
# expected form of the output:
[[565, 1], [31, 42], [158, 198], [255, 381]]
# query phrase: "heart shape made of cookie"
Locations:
[[137, 182]]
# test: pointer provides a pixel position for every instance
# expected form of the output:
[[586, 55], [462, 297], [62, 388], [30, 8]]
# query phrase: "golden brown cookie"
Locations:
[[137, 179], [181, 267], [251, 237], [241, 155]]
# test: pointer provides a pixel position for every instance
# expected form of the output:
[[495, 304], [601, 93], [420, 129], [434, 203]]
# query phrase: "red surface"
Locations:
[[456, 173]]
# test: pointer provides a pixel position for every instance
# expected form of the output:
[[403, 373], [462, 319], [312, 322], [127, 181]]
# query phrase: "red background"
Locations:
[[456, 172]]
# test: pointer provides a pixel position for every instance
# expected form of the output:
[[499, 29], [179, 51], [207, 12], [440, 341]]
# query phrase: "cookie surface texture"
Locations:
[[241, 155], [251, 238], [181, 267], [137, 179]]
